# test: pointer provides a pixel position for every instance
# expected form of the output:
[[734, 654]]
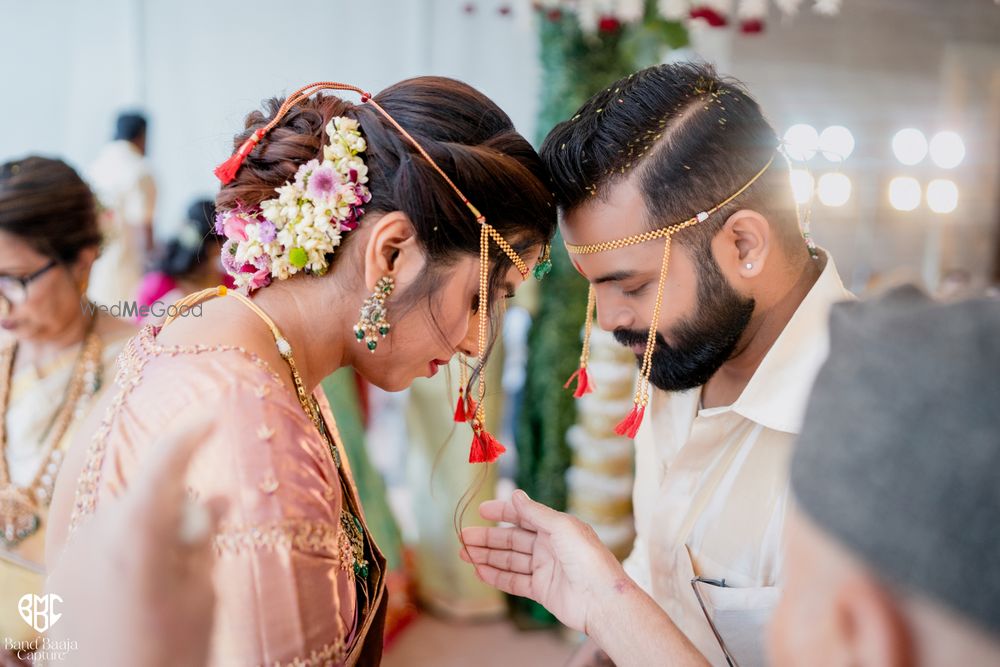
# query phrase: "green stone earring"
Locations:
[[372, 324]]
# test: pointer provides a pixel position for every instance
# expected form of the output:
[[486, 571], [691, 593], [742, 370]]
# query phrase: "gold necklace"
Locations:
[[21, 507]]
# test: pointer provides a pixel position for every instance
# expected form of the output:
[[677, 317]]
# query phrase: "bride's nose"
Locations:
[[470, 344]]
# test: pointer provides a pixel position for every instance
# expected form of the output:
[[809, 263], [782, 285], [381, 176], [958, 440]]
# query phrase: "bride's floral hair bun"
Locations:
[[300, 228]]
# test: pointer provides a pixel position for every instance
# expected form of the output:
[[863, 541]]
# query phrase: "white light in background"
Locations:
[[910, 146], [904, 193], [834, 189], [837, 143], [803, 185], [942, 195], [947, 150], [801, 142]]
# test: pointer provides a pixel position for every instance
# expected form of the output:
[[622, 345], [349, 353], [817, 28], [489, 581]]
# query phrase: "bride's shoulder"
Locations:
[[219, 346]]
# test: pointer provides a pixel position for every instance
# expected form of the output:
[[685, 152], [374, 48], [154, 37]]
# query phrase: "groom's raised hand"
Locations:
[[548, 556]]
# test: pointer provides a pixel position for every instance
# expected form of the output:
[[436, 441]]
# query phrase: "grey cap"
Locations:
[[899, 455]]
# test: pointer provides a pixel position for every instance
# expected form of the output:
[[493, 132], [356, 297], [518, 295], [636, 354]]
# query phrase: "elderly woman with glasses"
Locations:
[[57, 353]]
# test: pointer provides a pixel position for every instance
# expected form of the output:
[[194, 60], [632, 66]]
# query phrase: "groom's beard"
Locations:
[[703, 342]]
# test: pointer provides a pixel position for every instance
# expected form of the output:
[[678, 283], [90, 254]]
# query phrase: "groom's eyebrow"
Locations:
[[614, 277]]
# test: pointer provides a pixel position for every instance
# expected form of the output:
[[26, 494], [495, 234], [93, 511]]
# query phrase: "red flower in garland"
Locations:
[[608, 23], [711, 16]]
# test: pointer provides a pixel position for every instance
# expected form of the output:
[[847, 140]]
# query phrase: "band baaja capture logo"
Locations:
[[40, 613]]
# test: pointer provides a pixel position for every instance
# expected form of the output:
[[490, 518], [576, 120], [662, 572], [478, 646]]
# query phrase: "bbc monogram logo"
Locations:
[[39, 612]]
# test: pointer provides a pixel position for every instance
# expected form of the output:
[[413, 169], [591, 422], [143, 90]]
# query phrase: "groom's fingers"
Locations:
[[508, 582], [508, 561], [499, 510], [535, 516], [511, 539]]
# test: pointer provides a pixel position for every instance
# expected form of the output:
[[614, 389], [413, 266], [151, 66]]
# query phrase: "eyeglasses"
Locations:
[[15, 288]]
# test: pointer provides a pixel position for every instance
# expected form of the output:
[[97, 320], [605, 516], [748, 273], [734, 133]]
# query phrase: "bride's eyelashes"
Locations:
[[475, 301]]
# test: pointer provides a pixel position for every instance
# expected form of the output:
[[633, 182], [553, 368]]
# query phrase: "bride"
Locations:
[[381, 235]]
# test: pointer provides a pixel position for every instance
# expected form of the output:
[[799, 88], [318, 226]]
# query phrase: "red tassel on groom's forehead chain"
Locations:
[[485, 448]]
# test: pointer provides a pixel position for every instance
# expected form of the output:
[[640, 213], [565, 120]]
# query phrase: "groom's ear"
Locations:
[[745, 241], [392, 250]]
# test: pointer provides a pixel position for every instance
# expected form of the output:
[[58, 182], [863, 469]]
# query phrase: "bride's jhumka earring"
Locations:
[[372, 323]]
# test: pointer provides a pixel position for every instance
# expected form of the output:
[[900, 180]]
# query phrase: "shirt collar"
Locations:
[[778, 391]]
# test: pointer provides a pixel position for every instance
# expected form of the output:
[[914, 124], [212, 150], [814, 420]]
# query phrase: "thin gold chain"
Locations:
[[594, 248], [484, 270], [642, 391], [588, 327]]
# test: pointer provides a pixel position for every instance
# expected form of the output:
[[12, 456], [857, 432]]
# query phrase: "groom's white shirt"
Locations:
[[712, 491]]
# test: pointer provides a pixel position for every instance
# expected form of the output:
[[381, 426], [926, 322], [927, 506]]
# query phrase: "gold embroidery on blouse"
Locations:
[[334, 652], [133, 358], [269, 484], [346, 547], [300, 534]]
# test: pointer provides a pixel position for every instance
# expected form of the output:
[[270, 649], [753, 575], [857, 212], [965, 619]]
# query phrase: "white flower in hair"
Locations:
[[299, 229]]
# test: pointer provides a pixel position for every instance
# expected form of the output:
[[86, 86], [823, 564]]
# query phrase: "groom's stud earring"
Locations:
[[372, 323], [749, 266]]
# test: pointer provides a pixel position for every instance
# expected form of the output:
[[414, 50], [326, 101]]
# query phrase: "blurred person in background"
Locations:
[[187, 263], [892, 547], [124, 184], [57, 355]]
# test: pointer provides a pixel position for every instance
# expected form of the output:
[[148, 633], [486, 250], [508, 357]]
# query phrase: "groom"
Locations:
[[739, 337]]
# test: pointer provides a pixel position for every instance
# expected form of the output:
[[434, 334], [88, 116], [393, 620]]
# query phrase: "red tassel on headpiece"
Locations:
[[629, 426], [583, 384], [226, 171], [460, 407], [465, 408], [485, 448]]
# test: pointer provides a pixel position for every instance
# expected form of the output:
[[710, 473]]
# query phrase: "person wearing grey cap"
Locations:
[[894, 535], [894, 557]]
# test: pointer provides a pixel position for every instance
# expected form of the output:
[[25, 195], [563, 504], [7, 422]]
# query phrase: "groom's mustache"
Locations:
[[629, 338]]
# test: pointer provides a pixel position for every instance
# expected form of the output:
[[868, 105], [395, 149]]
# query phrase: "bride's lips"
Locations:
[[434, 365]]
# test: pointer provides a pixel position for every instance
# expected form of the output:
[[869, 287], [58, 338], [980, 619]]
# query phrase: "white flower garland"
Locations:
[[303, 225]]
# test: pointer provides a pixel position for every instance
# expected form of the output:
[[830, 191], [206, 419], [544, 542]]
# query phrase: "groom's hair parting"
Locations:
[[462, 130], [689, 137]]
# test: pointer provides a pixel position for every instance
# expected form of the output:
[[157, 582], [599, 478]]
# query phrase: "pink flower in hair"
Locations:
[[233, 226], [323, 182], [266, 231], [261, 278], [229, 261]]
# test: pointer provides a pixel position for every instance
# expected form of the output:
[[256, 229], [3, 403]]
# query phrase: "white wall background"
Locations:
[[197, 67]]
